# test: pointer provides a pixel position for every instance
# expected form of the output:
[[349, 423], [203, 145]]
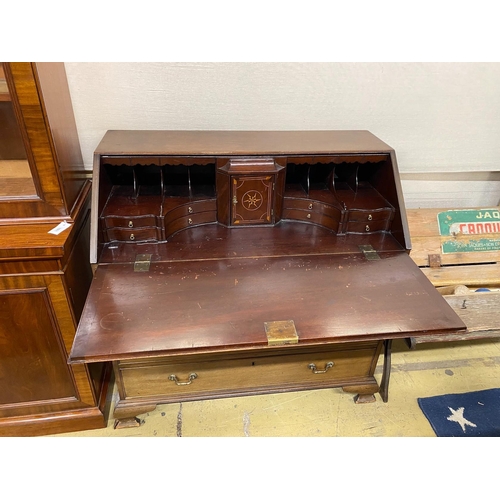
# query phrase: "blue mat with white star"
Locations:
[[472, 414]]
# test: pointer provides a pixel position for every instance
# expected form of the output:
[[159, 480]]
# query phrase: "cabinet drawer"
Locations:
[[191, 379], [368, 226], [132, 235], [312, 206], [309, 216], [129, 222], [190, 208], [189, 221], [369, 216]]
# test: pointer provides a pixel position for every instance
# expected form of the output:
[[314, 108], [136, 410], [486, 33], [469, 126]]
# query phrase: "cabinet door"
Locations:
[[36, 330], [252, 199]]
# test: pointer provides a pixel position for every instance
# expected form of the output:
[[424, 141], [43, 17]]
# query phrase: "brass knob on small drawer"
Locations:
[[312, 367], [191, 377], [132, 237], [130, 223], [190, 210], [308, 216], [310, 206], [367, 228], [190, 221], [370, 217]]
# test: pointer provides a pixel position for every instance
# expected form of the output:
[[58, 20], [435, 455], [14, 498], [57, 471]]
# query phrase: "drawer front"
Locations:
[[368, 226], [129, 222], [191, 379], [369, 216], [190, 208], [312, 206], [190, 221], [314, 217], [132, 235]]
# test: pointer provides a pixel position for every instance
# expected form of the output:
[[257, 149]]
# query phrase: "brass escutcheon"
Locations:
[[132, 237], [310, 206], [130, 223], [312, 367], [308, 216], [191, 377]]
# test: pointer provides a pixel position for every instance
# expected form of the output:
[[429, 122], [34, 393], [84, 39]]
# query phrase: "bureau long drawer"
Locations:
[[163, 380]]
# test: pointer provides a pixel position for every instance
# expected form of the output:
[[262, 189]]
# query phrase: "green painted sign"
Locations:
[[460, 223]]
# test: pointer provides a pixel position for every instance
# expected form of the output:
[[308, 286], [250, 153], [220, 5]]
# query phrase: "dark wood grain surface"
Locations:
[[219, 142], [210, 305]]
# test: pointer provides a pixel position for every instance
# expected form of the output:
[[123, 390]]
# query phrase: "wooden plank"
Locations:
[[479, 311], [470, 275], [466, 269]]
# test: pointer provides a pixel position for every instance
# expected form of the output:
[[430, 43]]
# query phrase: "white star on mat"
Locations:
[[458, 417]]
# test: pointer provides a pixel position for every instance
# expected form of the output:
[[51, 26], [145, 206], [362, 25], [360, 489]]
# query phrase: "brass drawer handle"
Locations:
[[130, 223], [308, 216], [370, 217], [132, 237], [312, 367], [174, 378], [190, 210], [367, 228], [310, 206], [190, 221]]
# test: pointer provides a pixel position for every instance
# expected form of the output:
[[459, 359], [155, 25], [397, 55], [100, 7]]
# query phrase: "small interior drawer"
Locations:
[[132, 235], [129, 222], [310, 216], [312, 206], [368, 226], [192, 220], [368, 216], [188, 209]]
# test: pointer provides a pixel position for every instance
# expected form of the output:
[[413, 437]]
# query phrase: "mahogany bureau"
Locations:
[[237, 263]]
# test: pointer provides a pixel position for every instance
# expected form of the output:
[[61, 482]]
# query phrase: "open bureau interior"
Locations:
[[231, 263]]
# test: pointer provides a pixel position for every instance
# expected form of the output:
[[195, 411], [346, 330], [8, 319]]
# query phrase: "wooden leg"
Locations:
[[386, 373], [364, 393], [125, 423], [126, 414]]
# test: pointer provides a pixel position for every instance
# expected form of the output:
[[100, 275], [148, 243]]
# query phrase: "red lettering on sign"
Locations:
[[471, 229]]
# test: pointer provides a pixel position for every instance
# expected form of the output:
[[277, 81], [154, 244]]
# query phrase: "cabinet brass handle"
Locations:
[[312, 367], [132, 237], [190, 210], [235, 200], [370, 217], [308, 216], [310, 206], [367, 228], [191, 377], [190, 221], [130, 223]]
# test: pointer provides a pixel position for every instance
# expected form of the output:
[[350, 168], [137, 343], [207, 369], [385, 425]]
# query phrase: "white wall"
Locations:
[[441, 118]]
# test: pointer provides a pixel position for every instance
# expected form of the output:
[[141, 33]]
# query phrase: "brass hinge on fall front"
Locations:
[[281, 332], [142, 262], [369, 252]]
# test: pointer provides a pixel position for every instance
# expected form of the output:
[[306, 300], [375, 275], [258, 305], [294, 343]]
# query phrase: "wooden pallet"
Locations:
[[457, 276]]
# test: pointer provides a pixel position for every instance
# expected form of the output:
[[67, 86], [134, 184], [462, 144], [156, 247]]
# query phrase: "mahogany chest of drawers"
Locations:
[[232, 263]]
